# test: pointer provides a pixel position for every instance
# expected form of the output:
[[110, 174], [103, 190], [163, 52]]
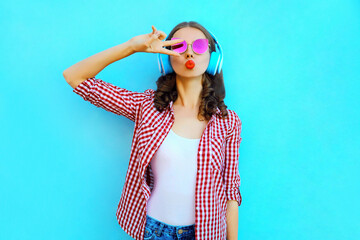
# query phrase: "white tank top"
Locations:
[[174, 166]]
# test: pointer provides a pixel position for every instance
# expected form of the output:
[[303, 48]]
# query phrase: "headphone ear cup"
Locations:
[[213, 63]]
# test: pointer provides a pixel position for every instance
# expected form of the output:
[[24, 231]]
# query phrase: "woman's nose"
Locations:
[[188, 54]]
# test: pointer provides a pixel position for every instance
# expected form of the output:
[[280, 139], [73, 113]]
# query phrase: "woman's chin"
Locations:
[[186, 72]]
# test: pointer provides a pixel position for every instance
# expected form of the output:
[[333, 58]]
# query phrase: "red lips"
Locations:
[[190, 64]]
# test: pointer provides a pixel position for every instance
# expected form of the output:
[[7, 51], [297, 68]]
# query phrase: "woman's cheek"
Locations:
[[175, 61]]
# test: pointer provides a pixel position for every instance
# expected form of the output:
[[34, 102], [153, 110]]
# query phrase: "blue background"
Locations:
[[291, 71]]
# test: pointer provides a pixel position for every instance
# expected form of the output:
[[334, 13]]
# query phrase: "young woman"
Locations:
[[183, 179]]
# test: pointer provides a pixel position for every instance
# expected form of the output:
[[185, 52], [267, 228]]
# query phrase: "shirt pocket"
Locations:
[[143, 134], [218, 151]]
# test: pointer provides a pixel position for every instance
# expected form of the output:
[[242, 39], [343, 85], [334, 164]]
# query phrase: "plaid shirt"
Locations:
[[217, 179]]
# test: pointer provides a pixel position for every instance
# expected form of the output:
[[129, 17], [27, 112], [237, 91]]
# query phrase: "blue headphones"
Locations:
[[215, 63]]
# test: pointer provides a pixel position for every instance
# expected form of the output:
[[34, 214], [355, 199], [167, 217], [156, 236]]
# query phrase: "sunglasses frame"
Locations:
[[187, 46]]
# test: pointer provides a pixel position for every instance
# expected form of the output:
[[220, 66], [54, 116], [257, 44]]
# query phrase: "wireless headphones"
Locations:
[[215, 63]]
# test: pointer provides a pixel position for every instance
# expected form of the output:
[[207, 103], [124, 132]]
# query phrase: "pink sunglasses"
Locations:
[[199, 46]]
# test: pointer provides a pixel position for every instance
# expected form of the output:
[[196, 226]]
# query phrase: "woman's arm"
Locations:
[[232, 176], [232, 215], [81, 76], [231, 173], [91, 66]]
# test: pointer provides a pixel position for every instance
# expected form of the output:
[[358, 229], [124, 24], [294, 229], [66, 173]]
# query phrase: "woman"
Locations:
[[183, 169]]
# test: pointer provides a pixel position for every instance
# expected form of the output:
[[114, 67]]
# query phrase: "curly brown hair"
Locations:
[[213, 89]]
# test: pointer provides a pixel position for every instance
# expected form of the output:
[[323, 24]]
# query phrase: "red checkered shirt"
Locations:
[[217, 180]]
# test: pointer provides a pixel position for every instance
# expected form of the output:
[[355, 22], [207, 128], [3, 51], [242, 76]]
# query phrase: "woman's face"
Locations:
[[190, 34]]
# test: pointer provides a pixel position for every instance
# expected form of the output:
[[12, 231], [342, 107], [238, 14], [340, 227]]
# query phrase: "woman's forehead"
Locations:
[[189, 34]]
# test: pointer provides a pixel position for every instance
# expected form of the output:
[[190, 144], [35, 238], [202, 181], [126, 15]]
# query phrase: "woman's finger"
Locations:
[[154, 29], [171, 42], [169, 52], [162, 35], [152, 38]]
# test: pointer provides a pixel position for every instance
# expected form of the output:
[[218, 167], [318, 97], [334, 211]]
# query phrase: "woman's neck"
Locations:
[[189, 90]]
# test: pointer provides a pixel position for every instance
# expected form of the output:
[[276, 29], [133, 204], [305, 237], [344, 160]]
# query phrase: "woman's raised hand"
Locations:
[[152, 43]]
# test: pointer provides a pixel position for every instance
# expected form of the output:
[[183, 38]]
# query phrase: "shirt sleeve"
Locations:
[[110, 97], [231, 167]]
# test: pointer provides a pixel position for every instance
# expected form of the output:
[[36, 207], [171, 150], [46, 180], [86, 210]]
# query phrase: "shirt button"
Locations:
[[180, 231]]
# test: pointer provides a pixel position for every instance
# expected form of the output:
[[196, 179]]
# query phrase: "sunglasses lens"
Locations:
[[179, 47], [200, 45]]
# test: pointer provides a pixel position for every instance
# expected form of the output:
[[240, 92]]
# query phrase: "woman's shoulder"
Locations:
[[233, 115], [149, 92], [233, 119]]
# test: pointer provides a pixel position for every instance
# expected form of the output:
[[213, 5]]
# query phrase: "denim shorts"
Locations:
[[157, 230]]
